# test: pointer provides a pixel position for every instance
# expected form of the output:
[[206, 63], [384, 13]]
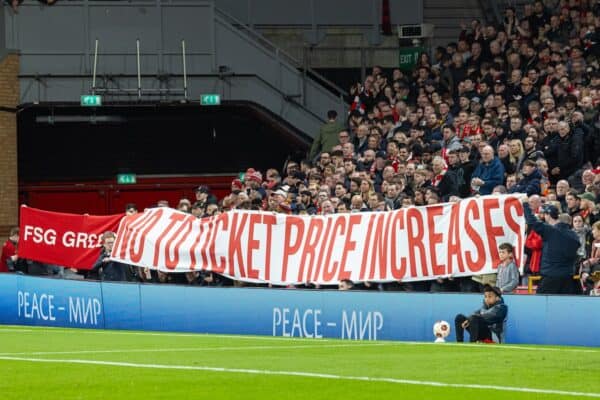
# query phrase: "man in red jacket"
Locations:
[[9, 251]]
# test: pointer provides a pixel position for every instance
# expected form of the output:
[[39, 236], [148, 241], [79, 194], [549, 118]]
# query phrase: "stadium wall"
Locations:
[[279, 312]]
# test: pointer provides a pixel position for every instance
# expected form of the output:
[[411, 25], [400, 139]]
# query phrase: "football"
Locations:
[[441, 330]]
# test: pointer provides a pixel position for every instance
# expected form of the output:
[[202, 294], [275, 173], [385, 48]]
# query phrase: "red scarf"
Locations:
[[435, 181], [534, 243], [395, 163]]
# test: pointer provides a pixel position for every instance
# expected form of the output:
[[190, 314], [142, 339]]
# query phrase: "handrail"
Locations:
[[276, 51]]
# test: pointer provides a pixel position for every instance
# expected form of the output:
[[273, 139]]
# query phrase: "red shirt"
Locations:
[[468, 130], [8, 250]]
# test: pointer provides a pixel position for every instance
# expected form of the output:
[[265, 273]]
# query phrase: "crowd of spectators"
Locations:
[[508, 108]]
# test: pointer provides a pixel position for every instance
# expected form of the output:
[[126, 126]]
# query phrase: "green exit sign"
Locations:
[[409, 57], [210, 100], [126, 179], [91, 100]]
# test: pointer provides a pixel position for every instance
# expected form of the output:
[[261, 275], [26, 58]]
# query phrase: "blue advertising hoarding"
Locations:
[[354, 315]]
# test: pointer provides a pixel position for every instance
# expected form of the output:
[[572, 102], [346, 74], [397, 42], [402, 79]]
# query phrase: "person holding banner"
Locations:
[[559, 249], [107, 269], [9, 251]]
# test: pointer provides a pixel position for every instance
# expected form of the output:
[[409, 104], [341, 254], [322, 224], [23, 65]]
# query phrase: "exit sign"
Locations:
[[126, 179], [409, 57], [210, 99], [91, 100]]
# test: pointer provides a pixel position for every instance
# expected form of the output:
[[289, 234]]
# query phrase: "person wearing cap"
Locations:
[[236, 186], [588, 210], [530, 184], [476, 105], [484, 321], [526, 94], [253, 180], [500, 87], [202, 193], [204, 196], [559, 249]]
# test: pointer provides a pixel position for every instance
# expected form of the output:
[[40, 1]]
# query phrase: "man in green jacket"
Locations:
[[327, 137]]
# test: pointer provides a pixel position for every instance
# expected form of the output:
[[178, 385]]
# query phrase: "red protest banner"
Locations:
[[410, 244], [68, 240]]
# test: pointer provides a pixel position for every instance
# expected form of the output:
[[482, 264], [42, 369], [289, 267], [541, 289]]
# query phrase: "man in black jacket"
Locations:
[[461, 173], [559, 249], [591, 136], [444, 180], [530, 184], [489, 318], [107, 269], [569, 153]]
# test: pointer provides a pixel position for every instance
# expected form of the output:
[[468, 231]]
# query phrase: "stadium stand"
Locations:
[[509, 107]]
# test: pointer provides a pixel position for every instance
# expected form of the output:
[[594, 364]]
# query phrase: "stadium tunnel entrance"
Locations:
[[69, 156]]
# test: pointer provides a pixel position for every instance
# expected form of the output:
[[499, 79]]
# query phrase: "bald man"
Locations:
[[488, 174]]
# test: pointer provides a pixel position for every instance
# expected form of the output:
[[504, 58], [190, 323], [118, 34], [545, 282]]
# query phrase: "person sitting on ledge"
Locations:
[[489, 318]]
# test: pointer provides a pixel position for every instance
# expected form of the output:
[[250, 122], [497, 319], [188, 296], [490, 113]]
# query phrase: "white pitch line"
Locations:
[[165, 334], [501, 346], [190, 349], [280, 338], [308, 375]]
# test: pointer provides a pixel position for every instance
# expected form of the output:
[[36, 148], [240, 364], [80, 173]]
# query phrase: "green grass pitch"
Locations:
[[55, 363]]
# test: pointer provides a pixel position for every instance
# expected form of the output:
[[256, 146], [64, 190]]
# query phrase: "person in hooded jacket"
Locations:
[[489, 318]]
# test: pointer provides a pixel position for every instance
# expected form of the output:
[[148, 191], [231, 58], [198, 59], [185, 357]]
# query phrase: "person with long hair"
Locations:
[[366, 189], [515, 152]]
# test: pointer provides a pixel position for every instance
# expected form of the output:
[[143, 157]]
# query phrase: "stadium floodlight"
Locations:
[[415, 31]]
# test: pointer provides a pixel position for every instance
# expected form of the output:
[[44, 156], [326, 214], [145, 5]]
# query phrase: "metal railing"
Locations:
[[284, 56]]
